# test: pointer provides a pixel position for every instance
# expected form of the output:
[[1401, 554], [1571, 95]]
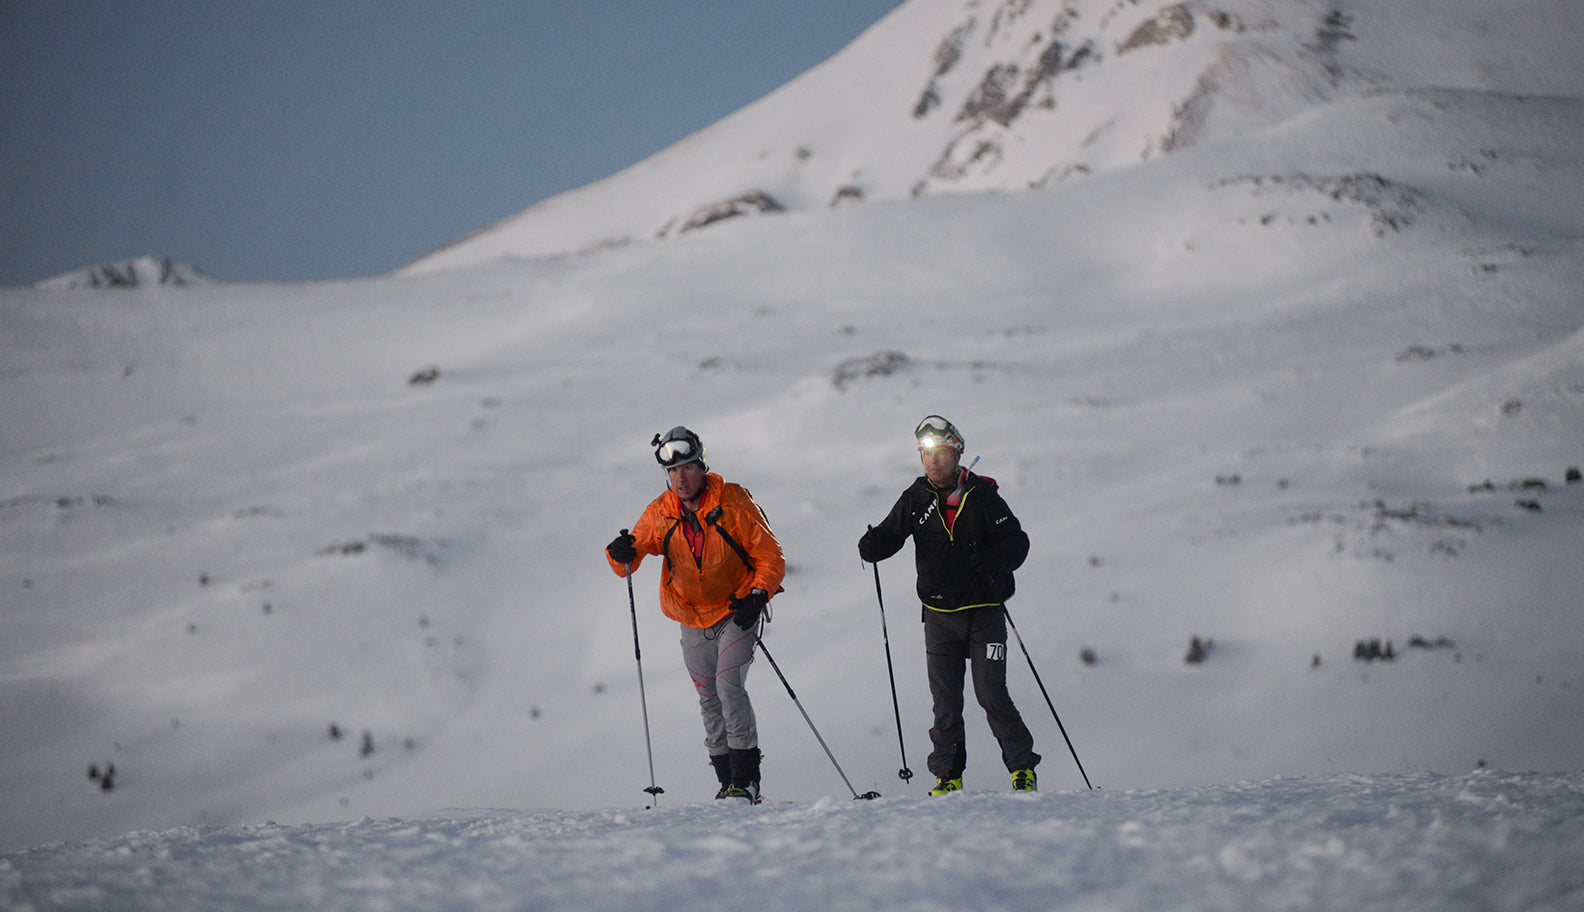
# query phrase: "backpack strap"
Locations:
[[692, 520], [713, 518], [665, 543]]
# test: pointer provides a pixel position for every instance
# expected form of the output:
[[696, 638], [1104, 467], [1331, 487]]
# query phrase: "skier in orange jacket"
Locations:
[[721, 564]]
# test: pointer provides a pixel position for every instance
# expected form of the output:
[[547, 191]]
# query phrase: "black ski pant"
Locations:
[[975, 637]]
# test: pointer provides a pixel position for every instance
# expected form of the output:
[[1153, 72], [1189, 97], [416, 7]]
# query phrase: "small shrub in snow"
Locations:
[[879, 364], [105, 777], [1371, 650]]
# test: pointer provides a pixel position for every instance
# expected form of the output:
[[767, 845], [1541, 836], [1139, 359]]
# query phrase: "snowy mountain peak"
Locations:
[[945, 96], [1029, 93], [144, 270]]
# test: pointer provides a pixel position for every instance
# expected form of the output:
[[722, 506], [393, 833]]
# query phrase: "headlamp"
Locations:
[[936, 431]]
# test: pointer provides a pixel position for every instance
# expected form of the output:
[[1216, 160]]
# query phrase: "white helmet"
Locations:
[[678, 446]]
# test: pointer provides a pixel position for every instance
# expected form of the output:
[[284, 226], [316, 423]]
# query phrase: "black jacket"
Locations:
[[948, 578]]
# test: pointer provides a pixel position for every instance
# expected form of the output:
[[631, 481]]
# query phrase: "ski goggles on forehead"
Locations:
[[936, 431], [675, 452]]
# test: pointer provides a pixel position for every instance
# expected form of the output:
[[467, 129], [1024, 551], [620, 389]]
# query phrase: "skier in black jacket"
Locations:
[[966, 544]]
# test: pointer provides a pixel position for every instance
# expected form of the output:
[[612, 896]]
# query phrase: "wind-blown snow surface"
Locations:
[[1484, 842], [1313, 384]]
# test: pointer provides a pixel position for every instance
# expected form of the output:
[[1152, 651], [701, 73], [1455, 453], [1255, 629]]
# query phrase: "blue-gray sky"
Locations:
[[284, 140]]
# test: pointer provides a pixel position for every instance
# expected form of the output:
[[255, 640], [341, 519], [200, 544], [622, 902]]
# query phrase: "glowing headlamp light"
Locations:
[[936, 431]]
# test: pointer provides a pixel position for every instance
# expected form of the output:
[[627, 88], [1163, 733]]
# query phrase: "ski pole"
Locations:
[[1048, 702], [654, 790], [904, 773], [866, 795]]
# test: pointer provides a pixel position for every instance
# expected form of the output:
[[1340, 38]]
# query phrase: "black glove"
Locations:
[[748, 608], [866, 547], [621, 548]]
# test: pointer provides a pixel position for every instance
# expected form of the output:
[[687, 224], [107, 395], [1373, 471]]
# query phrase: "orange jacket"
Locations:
[[698, 593]]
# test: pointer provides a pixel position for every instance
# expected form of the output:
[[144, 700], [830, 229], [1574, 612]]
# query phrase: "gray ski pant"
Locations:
[[717, 659]]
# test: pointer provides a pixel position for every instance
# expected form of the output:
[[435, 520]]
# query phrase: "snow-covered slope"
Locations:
[[316, 552], [971, 95], [1406, 842]]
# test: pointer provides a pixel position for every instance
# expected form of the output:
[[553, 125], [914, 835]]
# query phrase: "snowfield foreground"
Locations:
[[1485, 841], [330, 552]]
